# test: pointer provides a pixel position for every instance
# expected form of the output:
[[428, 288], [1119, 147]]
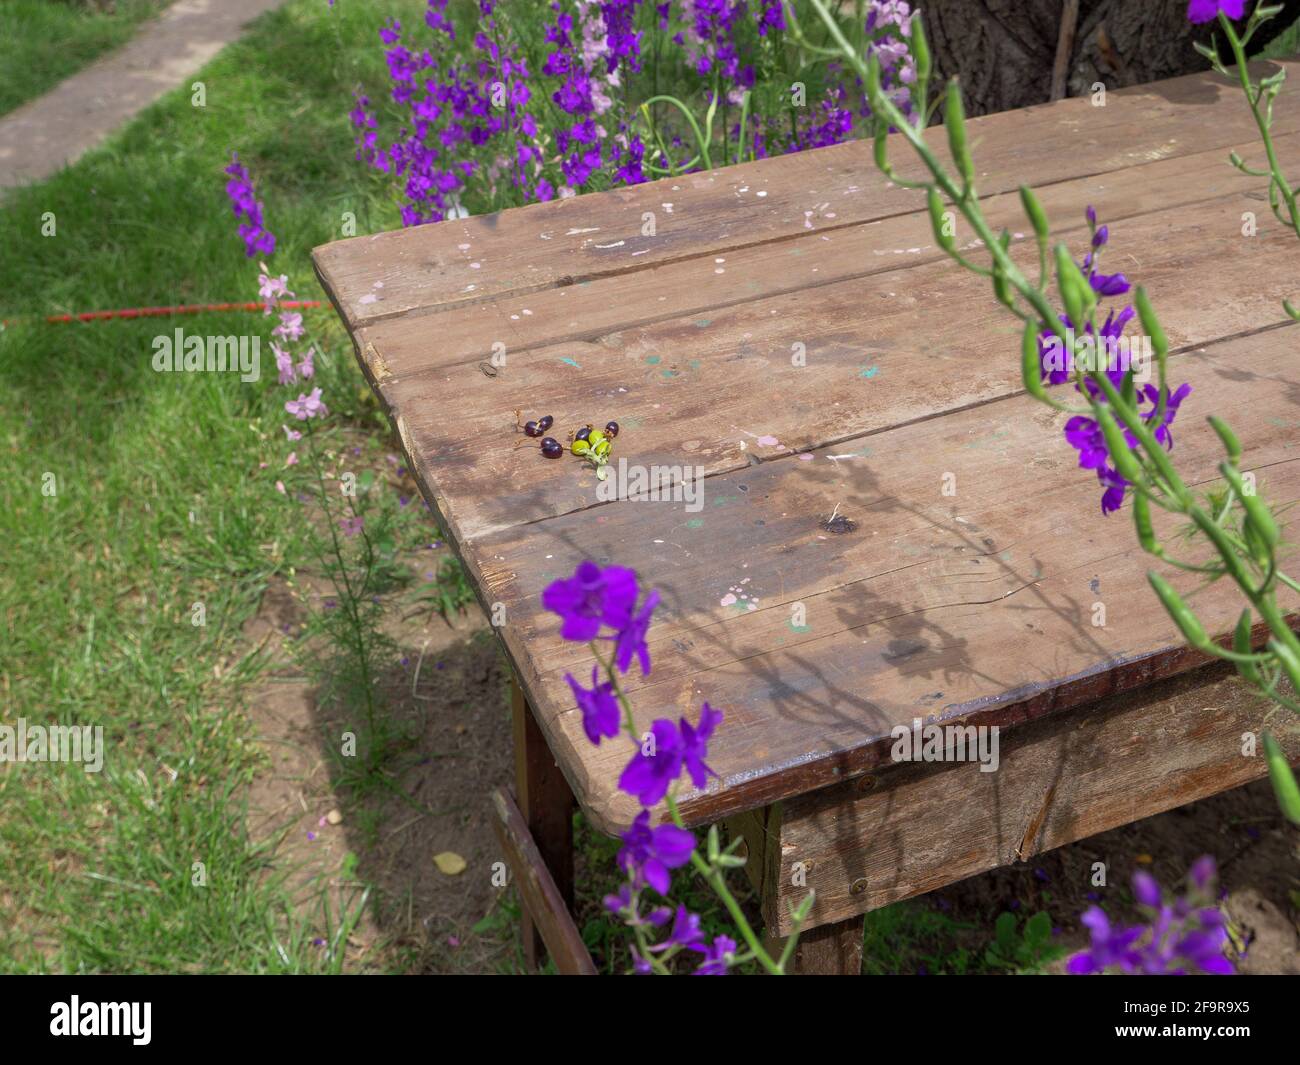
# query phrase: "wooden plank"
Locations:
[[538, 891], [826, 949], [722, 391], [587, 312], [911, 828], [915, 602], [432, 268], [546, 805]]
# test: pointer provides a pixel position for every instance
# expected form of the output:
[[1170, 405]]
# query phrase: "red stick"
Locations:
[[166, 312]]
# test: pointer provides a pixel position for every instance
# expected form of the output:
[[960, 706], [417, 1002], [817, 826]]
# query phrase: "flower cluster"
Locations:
[[473, 113], [1182, 937], [257, 238], [600, 605], [468, 119], [1082, 432]]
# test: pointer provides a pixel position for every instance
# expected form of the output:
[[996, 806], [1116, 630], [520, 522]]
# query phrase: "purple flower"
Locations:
[[662, 754], [1111, 947], [651, 771], [648, 853], [599, 707], [257, 239], [632, 641], [1205, 10], [592, 597], [717, 957], [686, 931], [695, 743], [1182, 937]]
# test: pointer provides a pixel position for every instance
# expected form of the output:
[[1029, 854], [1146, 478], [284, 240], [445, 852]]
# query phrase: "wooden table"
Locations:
[[890, 531]]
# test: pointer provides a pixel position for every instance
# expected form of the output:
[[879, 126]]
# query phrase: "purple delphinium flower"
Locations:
[[686, 932], [1081, 431], [1111, 947], [592, 597], [695, 742], [663, 753], [598, 705], [649, 853], [651, 771], [717, 957], [632, 639], [1179, 938], [1205, 10], [258, 240]]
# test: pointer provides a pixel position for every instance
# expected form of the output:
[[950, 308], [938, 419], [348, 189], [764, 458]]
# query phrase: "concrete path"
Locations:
[[44, 134]]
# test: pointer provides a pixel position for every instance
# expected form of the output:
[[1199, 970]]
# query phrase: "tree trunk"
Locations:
[[1003, 50]]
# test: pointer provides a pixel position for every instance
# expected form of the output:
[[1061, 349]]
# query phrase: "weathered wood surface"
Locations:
[[920, 604], [710, 390], [911, 828], [975, 605], [543, 903]]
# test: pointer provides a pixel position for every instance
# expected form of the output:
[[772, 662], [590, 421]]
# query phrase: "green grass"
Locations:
[[43, 41], [160, 503]]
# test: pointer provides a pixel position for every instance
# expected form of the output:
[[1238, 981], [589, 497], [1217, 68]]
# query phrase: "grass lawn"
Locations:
[[160, 504], [43, 41]]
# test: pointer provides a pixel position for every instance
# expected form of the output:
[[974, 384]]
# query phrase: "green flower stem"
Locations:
[[1264, 122], [1153, 475], [349, 596], [700, 139], [710, 873]]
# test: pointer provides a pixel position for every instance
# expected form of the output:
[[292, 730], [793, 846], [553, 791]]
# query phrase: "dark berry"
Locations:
[[551, 447], [611, 429], [545, 422], [582, 433], [533, 429]]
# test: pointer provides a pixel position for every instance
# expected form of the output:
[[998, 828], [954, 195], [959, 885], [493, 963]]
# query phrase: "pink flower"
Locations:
[[290, 327], [292, 460], [351, 526], [279, 487], [283, 363], [271, 288], [307, 368], [305, 407], [292, 434]]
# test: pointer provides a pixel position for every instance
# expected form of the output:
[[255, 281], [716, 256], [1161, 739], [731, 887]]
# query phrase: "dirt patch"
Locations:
[[446, 695]]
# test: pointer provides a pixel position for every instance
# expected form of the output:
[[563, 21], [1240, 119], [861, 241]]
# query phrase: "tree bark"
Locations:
[[1004, 50]]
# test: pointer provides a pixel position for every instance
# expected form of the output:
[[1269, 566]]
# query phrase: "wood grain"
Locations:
[[898, 832], [595, 311], [538, 890], [717, 391], [982, 603]]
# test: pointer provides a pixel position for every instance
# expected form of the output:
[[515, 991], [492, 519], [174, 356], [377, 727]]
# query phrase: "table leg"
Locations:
[[547, 804], [830, 950]]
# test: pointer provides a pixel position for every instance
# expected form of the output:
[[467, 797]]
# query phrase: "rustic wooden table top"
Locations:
[[826, 482]]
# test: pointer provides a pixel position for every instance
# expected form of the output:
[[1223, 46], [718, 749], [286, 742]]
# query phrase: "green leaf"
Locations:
[[1283, 780]]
